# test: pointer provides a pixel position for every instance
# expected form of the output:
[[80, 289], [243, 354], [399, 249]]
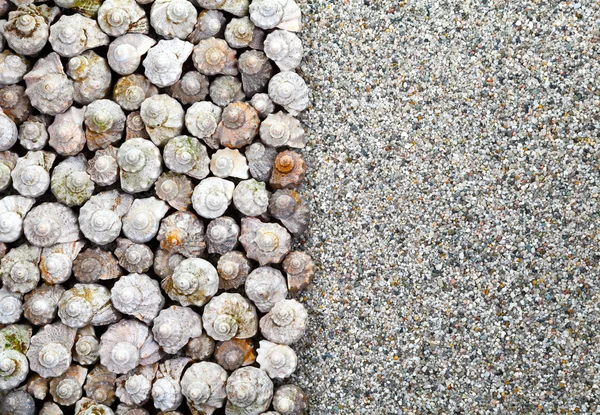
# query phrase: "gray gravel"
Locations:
[[454, 156]]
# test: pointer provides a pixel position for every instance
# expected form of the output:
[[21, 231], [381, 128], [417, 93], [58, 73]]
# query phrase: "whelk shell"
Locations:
[[50, 223], [30, 176], [222, 235], [288, 170], [100, 217], [175, 189], [138, 295], [56, 262], [41, 304], [278, 360], [140, 165], [233, 268], [134, 257], [249, 391], [265, 286], [19, 270], [229, 316], [235, 353], [67, 135], [66, 389], [285, 323], [174, 327], [70, 183], [86, 304], [182, 233], [194, 282], [49, 89], [95, 265]]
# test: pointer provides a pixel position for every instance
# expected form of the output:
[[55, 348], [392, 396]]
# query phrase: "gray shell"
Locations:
[[194, 282], [12, 68], [249, 392], [278, 360], [19, 269], [233, 268], [66, 389], [139, 296], [165, 262], [229, 316], [67, 135], [235, 353], [282, 129], [264, 242], [285, 323], [118, 17], [100, 385], [200, 348], [285, 49], [70, 183], [30, 175], [8, 132], [166, 390], [235, 7], [50, 351], [14, 367], [72, 35], [91, 77], [251, 198], [212, 197], [163, 117], [229, 163], [33, 133], [202, 119], [142, 221], [239, 32], [17, 402], [256, 71], [289, 90], [50, 223], [140, 165], [226, 89], [203, 385], [105, 122], [211, 23], [125, 52], [290, 400], [182, 233], [173, 18], [164, 61], [288, 207], [95, 265], [131, 90], [11, 306], [133, 389], [8, 161], [184, 154], [134, 257], [12, 211], [100, 217], [15, 103], [191, 88], [48, 88], [103, 168], [86, 346], [56, 261], [175, 326], [26, 30], [222, 235], [86, 304], [214, 57], [175, 189], [41, 304], [266, 286]]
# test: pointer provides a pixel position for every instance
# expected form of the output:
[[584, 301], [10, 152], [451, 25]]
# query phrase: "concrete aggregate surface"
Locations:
[[454, 180]]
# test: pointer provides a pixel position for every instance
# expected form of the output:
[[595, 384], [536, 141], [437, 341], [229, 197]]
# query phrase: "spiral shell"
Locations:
[[100, 217], [203, 385], [191, 88], [265, 286], [86, 304], [135, 127], [200, 348], [175, 189], [17, 402], [166, 390], [173, 18], [123, 409], [56, 261], [222, 235], [33, 133], [12, 68], [299, 268], [8, 161], [235, 7], [86, 346], [194, 282], [288, 170], [289, 90], [288, 207], [100, 385], [285, 323], [95, 265], [131, 90], [91, 77], [229, 316], [103, 168], [262, 104], [50, 408], [256, 72], [239, 32], [19, 269], [49, 89], [37, 386], [175, 326], [50, 351], [11, 306], [8, 132], [138, 295], [67, 135], [88, 8], [143, 219], [226, 89], [140, 165], [50, 223], [229, 163], [118, 17], [290, 400], [26, 30], [12, 211], [211, 23], [251, 198], [41, 304], [239, 125], [279, 361], [214, 57], [163, 117], [86, 406], [72, 35], [282, 129], [164, 62], [233, 268], [14, 343], [133, 389], [70, 183], [235, 353], [66, 389], [182, 233], [105, 122], [125, 52], [264, 242], [202, 120], [165, 262], [285, 49], [134, 257], [30, 175], [283, 14], [15, 104], [249, 391], [184, 154]]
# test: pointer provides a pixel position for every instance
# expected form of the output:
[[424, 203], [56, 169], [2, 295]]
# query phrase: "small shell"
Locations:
[[67, 135], [131, 90], [140, 165], [103, 168], [239, 125], [235, 7], [17, 402], [95, 265], [127, 344], [191, 88], [139, 296], [285, 49], [173, 18], [290, 400], [118, 17], [238, 32], [50, 408], [26, 30], [164, 62], [233, 268], [235, 353], [226, 89], [12, 211], [11, 306], [282, 129], [100, 217], [8, 161], [202, 120], [279, 361], [91, 77], [211, 23], [100, 385], [194, 282], [166, 390], [265, 286], [12, 68], [268, 14], [229, 163], [37, 386], [133, 389], [88, 8], [262, 104], [33, 133], [135, 127], [14, 367], [66, 389], [56, 261], [288, 170], [86, 304], [72, 35], [104, 122], [182, 233], [251, 198], [222, 235], [165, 262], [86, 406], [41, 304], [8, 132], [229, 316], [143, 219], [163, 117], [134, 257], [212, 197], [256, 71], [70, 183], [51, 223], [285, 323], [19, 269], [203, 385], [175, 326], [175, 189], [288, 207], [299, 268], [30, 175], [50, 351], [48, 88], [264, 242], [184, 154], [289, 90], [125, 52], [213, 57], [249, 391], [86, 346], [15, 104], [200, 348]]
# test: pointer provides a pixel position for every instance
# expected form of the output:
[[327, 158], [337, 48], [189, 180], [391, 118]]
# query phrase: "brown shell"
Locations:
[[95, 264], [74, 373], [287, 206], [235, 353], [3, 250], [233, 268], [299, 268], [131, 90], [288, 170], [135, 127], [200, 348], [48, 295], [109, 175], [238, 126], [101, 385], [175, 189], [214, 56], [15, 104], [191, 88]]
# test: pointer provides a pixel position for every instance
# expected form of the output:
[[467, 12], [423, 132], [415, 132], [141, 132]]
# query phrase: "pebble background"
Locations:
[[454, 156]]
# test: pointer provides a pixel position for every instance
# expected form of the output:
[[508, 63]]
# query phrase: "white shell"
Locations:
[[140, 165], [67, 135], [18, 268], [8, 161], [51, 223], [74, 34], [289, 90], [229, 316], [175, 326], [265, 242], [11, 306], [125, 52], [184, 154], [30, 176], [263, 105], [105, 122], [26, 30], [33, 133], [164, 62], [266, 286], [41, 304], [118, 17], [143, 219], [86, 346], [66, 389], [226, 89], [91, 77], [251, 198], [12, 68], [86, 406], [282, 129], [166, 390], [290, 400], [202, 119], [173, 18], [239, 32], [130, 91], [222, 235], [137, 295], [194, 282], [279, 361], [235, 7], [50, 351], [134, 257], [103, 168], [182, 233], [70, 183], [249, 392], [12, 211], [163, 117], [133, 389], [212, 197], [8, 132], [233, 268], [210, 24], [285, 49], [56, 261], [100, 217], [203, 385], [283, 14], [86, 304], [285, 323], [229, 163]]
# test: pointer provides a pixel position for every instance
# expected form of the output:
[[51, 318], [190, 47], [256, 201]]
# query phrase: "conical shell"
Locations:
[[19, 269], [229, 316], [267, 243], [285, 323], [131, 90], [140, 165], [12, 68], [203, 385], [235, 7], [285, 49], [86, 304], [105, 122], [282, 129], [50, 351], [288, 170], [288, 207], [56, 261], [164, 61], [263, 105], [143, 219], [8, 161], [86, 406], [200, 348], [33, 133], [37, 386], [163, 117], [86, 346], [139, 296], [229, 163], [194, 282], [191, 88], [166, 390], [279, 361], [251, 198], [238, 126], [249, 391], [12, 211], [14, 343], [26, 30], [265, 286], [182, 233], [103, 168], [70, 183], [66, 389], [134, 388], [91, 77], [175, 189], [174, 327], [299, 268], [12, 306], [233, 268], [8, 132], [212, 197], [17, 402], [226, 89], [289, 90], [134, 257], [211, 23], [235, 353], [72, 35], [51, 223], [239, 32], [125, 52], [214, 57], [41, 304], [100, 385], [100, 217], [173, 18], [15, 104], [256, 71], [222, 235], [118, 17], [135, 127], [202, 120], [165, 262], [94, 265], [184, 154], [67, 135], [30, 176], [290, 400]]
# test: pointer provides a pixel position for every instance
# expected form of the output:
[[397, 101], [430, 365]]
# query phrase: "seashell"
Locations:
[[166, 390], [100, 385], [285, 323], [143, 219], [8, 161], [249, 391], [103, 168], [290, 400], [15, 104], [233, 268], [131, 90], [229, 163], [50, 351], [235, 353], [139, 296], [100, 217], [26, 30], [66, 389], [265, 286], [288, 207], [256, 72], [50, 408], [203, 385], [135, 127], [30, 175], [214, 57], [88, 8], [285, 49], [11, 306], [229, 316], [95, 265], [70, 183], [212, 197], [133, 389], [282, 129], [211, 23], [163, 117], [140, 165], [50, 223], [268, 14], [299, 268], [200, 348], [175, 326], [12, 211], [86, 346], [127, 344], [288, 170], [86, 304], [184, 154], [164, 62], [191, 88], [262, 104], [239, 125], [105, 122], [125, 52], [19, 269], [226, 89], [222, 235], [194, 282], [37, 386], [239, 33], [41, 304], [118, 17], [123, 409], [67, 135], [279, 361], [235, 7], [8, 132], [165, 262], [33, 133], [12, 68], [175, 189], [72, 35], [56, 262], [289, 90], [173, 18], [264, 242], [202, 120], [182, 233], [251, 198], [48, 88], [134, 257], [91, 77], [14, 343], [86, 406], [17, 402]]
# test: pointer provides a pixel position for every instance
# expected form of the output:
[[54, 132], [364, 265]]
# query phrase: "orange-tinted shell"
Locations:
[[135, 127], [299, 268], [238, 126], [235, 353], [288, 170]]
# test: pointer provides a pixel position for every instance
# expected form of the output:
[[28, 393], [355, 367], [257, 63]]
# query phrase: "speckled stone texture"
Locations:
[[454, 181]]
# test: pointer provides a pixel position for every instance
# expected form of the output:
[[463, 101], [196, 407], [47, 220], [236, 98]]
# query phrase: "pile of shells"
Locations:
[[149, 168]]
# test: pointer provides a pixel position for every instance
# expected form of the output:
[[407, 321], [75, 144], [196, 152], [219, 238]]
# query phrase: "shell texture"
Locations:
[[50, 351], [86, 406], [103, 168], [104, 123], [285, 323], [278, 360], [41, 304], [226, 89], [200, 348], [184, 154], [285, 49], [56, 261], [191, 88], [175, 326], [166, 390], [202, 120], [249, 391], [8, 132], [229, 316], [125, 52], [182, 233], [17, 402], [281, 129], [229, 163], [256, 72], [142, 222], [11, 306], [19, 269], [288, 170], [136, 258], [134, 388], [175, 189], [12, 211], [163, 117], [100, 217], [239, 32], [91, 77], [212, 197], [14, 343], [235, 7], [251, 198], [135, 127], [138, 295], [288, 207], [299, 268], [72, 35], [15, 104], [164, 61], [70, 183], [140, 165], [222, 235], [211, 23], [100, 385], [86, 304], [50, 408], [31, 177], [213, 56], [233, 268], [194, 282], [289, 90], [27, 29], [88, 8], [235, 353], [119, 17], [290, 400], [33, 133], [94, 264], [165, 262], [203, 385], [51, 223], [131, 90], [67, 136], [173, 18], [12, 68], [37, 386], [238, 126], [66, 389], [265, 287], [86, 347], [264, 242]]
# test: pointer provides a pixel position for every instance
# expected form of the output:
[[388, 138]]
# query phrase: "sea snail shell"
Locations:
[[222, 235], [184, 154], [51, 223], [67, 136], [41, 304], [103, 168], [142, 221], [249, 390], [33, 133], [278, 360], [140, 165], [290, 400], [137, 295], [212, 197], [12, 211], [229, 163], [100, 217], [285, 323], [14, 367], [251, 198], [11, 306], [118, 17], [66, 389], [85, 304], [285, 49], [173, 18], [19, 269], [134, 257], [194, 282], [203, 384], [164, 61], [174, 326], [264, 242], [289, 90], [133, 389], [166, 390], [125, 52], [288, 207], [70, 183], [50, 351], [233, 268], [74, 34], [265, 286], [202, 120], [163, 117], [229, 316], [30, 176], [282, 129], [86, 346]]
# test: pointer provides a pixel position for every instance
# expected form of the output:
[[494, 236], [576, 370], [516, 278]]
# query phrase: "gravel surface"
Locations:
[[454, 181]]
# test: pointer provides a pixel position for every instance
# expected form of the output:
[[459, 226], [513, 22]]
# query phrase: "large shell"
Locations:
[[202, 120], [166, 390], [165, 262], [86, 346], [235, 7], [72, 35], [134, 257], [56, 261], [131, 90], [127, 344], [8, 161], [19, 270], [226, 89], [15, 104], [33, 133], [41, 304], [86, 304], [100, 385], [66, 389], [238, 126], [289, 90], [251, 198], [229, 163], [86, 406], [256, 71], [173, 18], [184, 154], [285, 323], [235, 353], [70, 183], [140, 165], [135, 126], [88, 8], [268, 14], [14, 367], [103, 168], [50, 351], [279, 361], [164, 62], [163, 117], [203, 385], [229, 316], [48, 88], [211, 23], [290, 400], [212, 197], [12, 211], [17, 402], [222, 235], [100, 217], [8, 132], [134, 388], [194, 282], [182, 233], [200, 348], [95, 264], [191, 88], [91, 77], [174, 327], [50, 223], [26, 30], [12, 68], [264, 242], [11, 306], [299, 268], [282, 129], [288, 207], [266, 286], [143, 219], [30, 175], [288, 170], [104, 122], [118, 17], [125, 52], [67, 135], [233, 268], [175, 189], [262, 104], [285, 49], [138, 295], [214, 57], [249, 391]]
